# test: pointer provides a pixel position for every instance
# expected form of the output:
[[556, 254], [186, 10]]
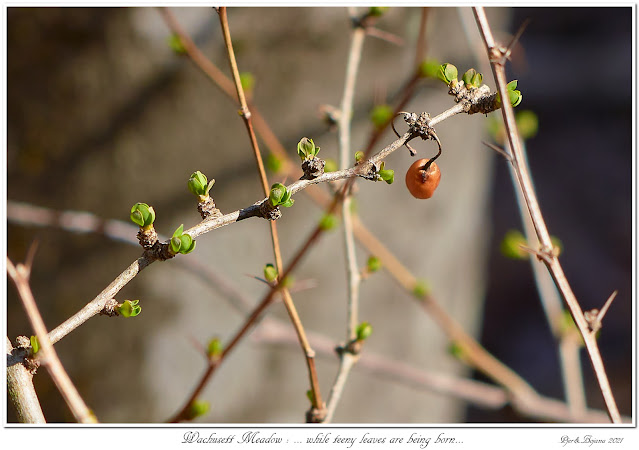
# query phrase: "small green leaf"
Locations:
[[363, 331], [373, 264], [215, 348], [129, 308], [359, 155], [270, 273], [306, 149], [387, 175], [381, 115], [187, 244], [511, 245], [328, 222], [310, 396], [247, 80], [447, 73], [512, 85], [456, 350], [176, 44], [515, 98], [429, 68], [288, 203], [178, 232], [277, 192], [197, 183], [527, 123], [198, 408], [175, 244], [468, 76], [35, 345], [421, 289], [273, 163], [477, 79], [142, 214]]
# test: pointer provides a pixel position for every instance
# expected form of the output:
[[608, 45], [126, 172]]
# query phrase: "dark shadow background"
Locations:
[[574, 67]]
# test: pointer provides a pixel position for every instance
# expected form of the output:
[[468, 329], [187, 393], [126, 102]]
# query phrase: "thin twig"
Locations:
[[484, 395], [286, 295], [347, 359], [20, 276], [495, 56]]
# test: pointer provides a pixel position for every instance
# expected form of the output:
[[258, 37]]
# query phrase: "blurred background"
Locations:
[[102, 113]]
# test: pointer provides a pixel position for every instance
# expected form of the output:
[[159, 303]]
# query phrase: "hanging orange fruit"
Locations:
[[422, 178]]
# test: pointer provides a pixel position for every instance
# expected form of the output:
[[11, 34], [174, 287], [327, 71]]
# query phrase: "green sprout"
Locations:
[[429, 68], [328, 222], [198, 408], [143, 215], [175, 42], [215, 348], [199, 185], [181, 242], [129, 308], [306, 149], [421, 289], [381, 115], [388, 175], [511, 245], [280, 196], [359, 155], [373, 264], [363, 331], [514, 96], [270, 273], [447, 73], [35, 345], [247, 80], [472, 78], [273, 163]]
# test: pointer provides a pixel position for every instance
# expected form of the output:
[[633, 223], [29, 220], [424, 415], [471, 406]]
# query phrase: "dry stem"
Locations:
[[497, 61]]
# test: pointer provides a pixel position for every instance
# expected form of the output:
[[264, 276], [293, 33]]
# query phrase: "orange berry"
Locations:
[[421, 183]]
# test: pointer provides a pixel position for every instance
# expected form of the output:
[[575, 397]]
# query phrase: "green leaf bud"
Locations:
[[447, 73], [328, 222], [278, 190], [129, 308], [247, 80], [198, 408], [527, 123], [373, 264], [306, 149], [187, 244], [215, 348], [175, 42], [381, 115], [511, 245], [273, 163], [175, 244], [421, 289], [142, 215], [456, 350], [429, 68], [270, 273], [35, 345], [197, 183], [359, 155], [468, 76], [363, 331], [331, 165], [387, 175]]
